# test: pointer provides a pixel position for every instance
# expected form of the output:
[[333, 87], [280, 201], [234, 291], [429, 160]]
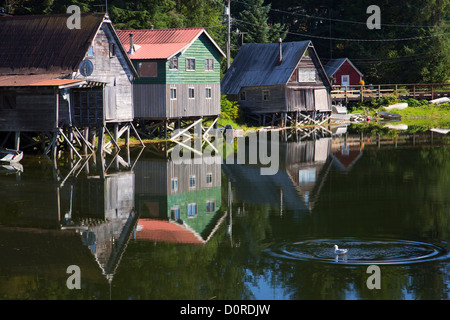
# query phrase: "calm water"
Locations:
[[145, 227]]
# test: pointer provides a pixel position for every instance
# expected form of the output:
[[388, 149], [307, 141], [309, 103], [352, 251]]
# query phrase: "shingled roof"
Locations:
[[43, 44]]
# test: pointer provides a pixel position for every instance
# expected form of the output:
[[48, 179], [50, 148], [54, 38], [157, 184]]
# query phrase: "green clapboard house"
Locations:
[[179, 73], [178, 202]]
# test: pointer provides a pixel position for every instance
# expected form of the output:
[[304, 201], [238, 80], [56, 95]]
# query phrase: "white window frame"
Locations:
[[190, 208], [187, 64], [208, 89], [174, 95], [173, 62], [264, 95], [194, 179], [191, 89], [174, 184], [209, 64], [307, 75], [210, 208]]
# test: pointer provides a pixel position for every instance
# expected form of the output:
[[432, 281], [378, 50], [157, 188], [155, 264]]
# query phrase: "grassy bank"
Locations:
[[417, 109]]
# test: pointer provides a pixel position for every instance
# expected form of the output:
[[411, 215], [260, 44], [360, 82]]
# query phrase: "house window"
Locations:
[[266, 95], [209, 64], [192, 181], [208, 178], [191, 93], [148, 69], [112, 50], [173, 93], [210, 206], [175, 213], [173, 63], [242, 96], [307, 75], [190, 64], [191, 209], [90, 52], [208, 93], [174, 184]]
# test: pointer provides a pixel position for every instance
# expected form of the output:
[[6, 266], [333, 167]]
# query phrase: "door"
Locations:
[[345, 80]]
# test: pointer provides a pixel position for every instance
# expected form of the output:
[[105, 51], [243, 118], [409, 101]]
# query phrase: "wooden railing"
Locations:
[[427, 91]]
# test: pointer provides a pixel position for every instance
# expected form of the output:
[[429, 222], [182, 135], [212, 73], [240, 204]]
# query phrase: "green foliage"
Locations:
[[230, 109]]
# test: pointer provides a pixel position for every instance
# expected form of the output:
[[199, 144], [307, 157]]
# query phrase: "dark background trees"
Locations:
[[413, 44]]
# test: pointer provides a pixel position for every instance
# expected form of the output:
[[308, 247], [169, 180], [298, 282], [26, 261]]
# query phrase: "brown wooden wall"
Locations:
[[29, 109]]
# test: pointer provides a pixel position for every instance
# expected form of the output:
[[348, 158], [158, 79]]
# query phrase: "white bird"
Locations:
[[339, 251]]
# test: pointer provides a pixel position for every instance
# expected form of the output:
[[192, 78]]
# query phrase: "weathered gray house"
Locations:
[[279, 83], [54, 77]]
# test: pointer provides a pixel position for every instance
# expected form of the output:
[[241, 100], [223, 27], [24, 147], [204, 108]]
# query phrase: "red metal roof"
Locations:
[[165, 231], [40, 80], [160, 43]]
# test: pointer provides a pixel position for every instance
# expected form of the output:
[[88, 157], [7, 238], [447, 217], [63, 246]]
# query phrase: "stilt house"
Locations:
[[178, 202], [279, 83], [53, 76], [179, 73]]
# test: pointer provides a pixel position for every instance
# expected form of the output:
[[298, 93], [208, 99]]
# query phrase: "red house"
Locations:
[[342, 72]]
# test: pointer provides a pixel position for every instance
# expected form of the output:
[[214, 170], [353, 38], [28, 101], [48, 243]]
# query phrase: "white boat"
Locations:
[[440, 130], [10, 156], [401, 105], [440, 100]]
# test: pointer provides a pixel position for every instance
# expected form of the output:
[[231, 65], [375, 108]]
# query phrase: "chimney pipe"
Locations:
[[131, 51], [280, 56]]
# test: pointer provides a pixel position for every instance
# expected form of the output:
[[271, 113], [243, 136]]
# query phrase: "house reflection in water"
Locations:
[[178, 203], [296, 186], [52, 218]]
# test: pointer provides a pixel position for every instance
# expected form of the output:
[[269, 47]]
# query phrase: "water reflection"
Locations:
[[178, 203], [140, 226]]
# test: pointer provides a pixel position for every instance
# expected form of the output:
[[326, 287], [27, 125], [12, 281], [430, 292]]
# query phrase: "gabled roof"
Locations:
[[161, 43], [43, 44], [256, 65], [334, 64]]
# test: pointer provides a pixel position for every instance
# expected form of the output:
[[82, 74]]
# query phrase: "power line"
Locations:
[[341, 20], [350, 39]]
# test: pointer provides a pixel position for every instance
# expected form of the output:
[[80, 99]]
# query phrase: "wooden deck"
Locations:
[[419, 91]]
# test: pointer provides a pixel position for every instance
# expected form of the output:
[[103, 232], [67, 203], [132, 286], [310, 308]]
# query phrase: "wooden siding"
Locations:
[[153, 101], [254, 102], [28, 109], [155, 196], [149, 101], [295, 96], [201, 49], [87, 107], [115, 72], [184, 106]]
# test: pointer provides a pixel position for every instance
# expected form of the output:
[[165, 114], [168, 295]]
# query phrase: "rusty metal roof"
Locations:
[[44, 43], [41, 80], [161, 43], [256, 64]]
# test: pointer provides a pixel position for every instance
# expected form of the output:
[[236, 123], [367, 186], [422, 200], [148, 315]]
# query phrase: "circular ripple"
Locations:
[[362, 252]]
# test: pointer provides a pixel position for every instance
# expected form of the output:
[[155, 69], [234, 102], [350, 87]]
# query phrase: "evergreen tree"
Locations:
[[253, 19]]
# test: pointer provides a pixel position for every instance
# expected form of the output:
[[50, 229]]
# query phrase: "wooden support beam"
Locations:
[[185, 129], [137, 134], [69, 143]]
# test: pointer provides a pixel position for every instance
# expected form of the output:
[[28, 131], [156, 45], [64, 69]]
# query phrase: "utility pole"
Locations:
[[229, 31]]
